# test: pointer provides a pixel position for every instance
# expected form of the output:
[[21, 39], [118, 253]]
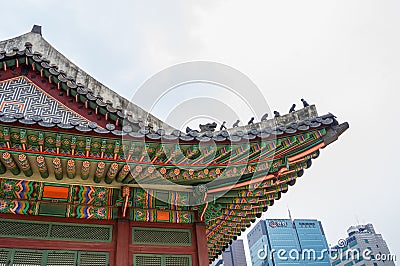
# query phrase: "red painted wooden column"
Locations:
[[201, 242], [123, 240]]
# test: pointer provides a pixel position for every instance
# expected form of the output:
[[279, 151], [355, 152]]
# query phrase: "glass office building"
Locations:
[[362, 247], [218, 262], [234, 255], [286, 242]]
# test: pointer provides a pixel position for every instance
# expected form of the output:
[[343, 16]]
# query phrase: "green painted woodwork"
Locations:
[[161, 236], [55, 231], [58, 171], [93, 258], [25, 165], [81, 144], [10, 163], [52, 257], [2, 168], [42, 167], [50, 209], [162, 260]]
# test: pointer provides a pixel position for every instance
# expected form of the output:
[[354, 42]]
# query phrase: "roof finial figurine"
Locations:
[[236, 124], [223, 126], [277, 114], [37, 29], [264, 117], [188, 129], [208, 127], [251, 121], [305, 104], [292, 108]]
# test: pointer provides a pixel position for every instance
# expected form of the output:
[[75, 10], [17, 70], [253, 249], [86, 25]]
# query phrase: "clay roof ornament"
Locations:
[[292, 109], [37, 29], [251, 122], [208, 127], [305, 103], [236, 124], [264, 117], [222, 127]]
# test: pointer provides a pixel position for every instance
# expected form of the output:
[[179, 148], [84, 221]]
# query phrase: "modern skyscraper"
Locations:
[[363, 247], [218, 262], [275, 242], [234, 255]]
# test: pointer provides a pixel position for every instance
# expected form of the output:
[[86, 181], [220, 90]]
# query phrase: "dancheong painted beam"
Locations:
[[72, 160]]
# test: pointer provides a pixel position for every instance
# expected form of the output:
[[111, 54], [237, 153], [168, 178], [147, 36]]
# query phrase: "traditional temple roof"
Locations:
[[59, 69], [59, 133]]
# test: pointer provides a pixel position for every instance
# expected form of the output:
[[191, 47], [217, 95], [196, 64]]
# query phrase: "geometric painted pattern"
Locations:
[[24, 197], [92, 195], [20, 189], [146, 215], [87, 202], [19, 95]]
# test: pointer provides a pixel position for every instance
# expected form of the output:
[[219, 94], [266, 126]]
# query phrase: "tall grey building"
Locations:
[[234, 255], [363, 247], [282, 242], [218, 262]]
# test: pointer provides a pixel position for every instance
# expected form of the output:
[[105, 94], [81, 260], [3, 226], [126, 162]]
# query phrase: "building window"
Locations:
[[366, 241], [353, 243], [360, 258]]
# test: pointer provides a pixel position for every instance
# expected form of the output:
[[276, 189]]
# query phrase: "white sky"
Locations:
[[341, 55]]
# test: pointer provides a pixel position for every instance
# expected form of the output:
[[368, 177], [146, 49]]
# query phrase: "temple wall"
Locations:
[[110, 243]]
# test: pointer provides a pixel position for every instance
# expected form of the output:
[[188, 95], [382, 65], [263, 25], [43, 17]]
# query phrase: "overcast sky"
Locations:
[[341, 55]]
